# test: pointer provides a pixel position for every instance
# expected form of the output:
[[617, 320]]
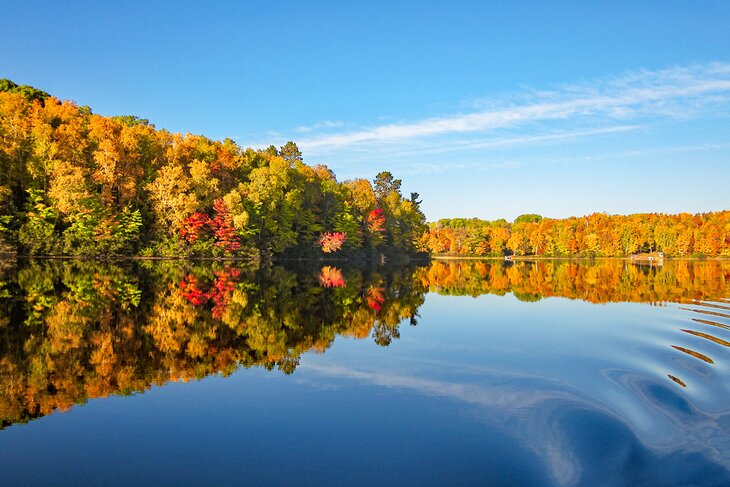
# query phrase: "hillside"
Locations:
[[76, 183]]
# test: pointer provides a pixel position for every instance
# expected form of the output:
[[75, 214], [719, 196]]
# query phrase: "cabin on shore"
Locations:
[[648, 258]]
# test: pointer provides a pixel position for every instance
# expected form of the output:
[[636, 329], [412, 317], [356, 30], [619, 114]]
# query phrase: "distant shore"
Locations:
[[546, 257]]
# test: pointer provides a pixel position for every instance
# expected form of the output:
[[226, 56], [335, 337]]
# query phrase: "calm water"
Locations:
[[470, 372]]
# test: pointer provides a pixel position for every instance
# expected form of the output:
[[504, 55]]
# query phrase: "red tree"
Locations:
[[193, 226], [223, 229], [376, 220], [332, 241]]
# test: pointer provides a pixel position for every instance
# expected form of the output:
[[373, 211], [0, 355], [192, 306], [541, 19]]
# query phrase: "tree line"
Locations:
[[76, 183], [596, 235]]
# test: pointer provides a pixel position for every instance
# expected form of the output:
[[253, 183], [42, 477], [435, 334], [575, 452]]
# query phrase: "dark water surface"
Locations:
[[469, 372]]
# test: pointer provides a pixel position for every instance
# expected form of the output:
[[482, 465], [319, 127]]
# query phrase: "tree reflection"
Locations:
[[600, 281], [74, 330]]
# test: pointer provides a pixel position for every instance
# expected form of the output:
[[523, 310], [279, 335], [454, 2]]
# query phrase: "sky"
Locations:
[[486, 109]]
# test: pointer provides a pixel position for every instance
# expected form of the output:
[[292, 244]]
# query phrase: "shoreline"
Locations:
[[524, 258], [116, 258], [528, 258]]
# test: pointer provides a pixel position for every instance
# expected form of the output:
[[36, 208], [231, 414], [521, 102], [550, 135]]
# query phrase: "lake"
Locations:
[[454, 372]]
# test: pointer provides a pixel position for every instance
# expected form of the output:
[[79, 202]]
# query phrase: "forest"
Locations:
[[596, 235], [80, 184]]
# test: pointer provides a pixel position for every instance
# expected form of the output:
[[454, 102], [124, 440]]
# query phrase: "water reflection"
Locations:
[[601, 281], [75, 330], [633, 388]]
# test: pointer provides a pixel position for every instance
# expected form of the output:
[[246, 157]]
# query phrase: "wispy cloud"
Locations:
[[437, 147], [326, 124], [588, 109]]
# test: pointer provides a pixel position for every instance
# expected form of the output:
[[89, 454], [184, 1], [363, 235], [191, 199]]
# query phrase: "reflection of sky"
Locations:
[[486, 390], [535, 370]]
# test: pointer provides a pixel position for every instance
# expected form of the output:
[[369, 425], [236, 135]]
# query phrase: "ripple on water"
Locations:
[[699, 354], [673, 395]]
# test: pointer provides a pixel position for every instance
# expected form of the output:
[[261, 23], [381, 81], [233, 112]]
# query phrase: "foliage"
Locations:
[[36, 235], [331, 277], [331, 241], [376, 221], [596, 235], [78, 183], [28, 92], [528, 218], [290, 152]]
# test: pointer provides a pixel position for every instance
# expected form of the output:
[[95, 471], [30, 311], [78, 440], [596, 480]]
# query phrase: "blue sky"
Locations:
[[485, 109]]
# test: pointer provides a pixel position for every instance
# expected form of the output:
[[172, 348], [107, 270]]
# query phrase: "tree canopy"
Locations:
[[596, 235], [77, 183]]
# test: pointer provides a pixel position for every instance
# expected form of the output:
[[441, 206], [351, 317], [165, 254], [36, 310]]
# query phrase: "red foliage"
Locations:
[[220, 292], [375, 298], [193, 226], [221, 225], [331, 241], [190, 291], [223, 229], [375, 220], [331, 277]]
